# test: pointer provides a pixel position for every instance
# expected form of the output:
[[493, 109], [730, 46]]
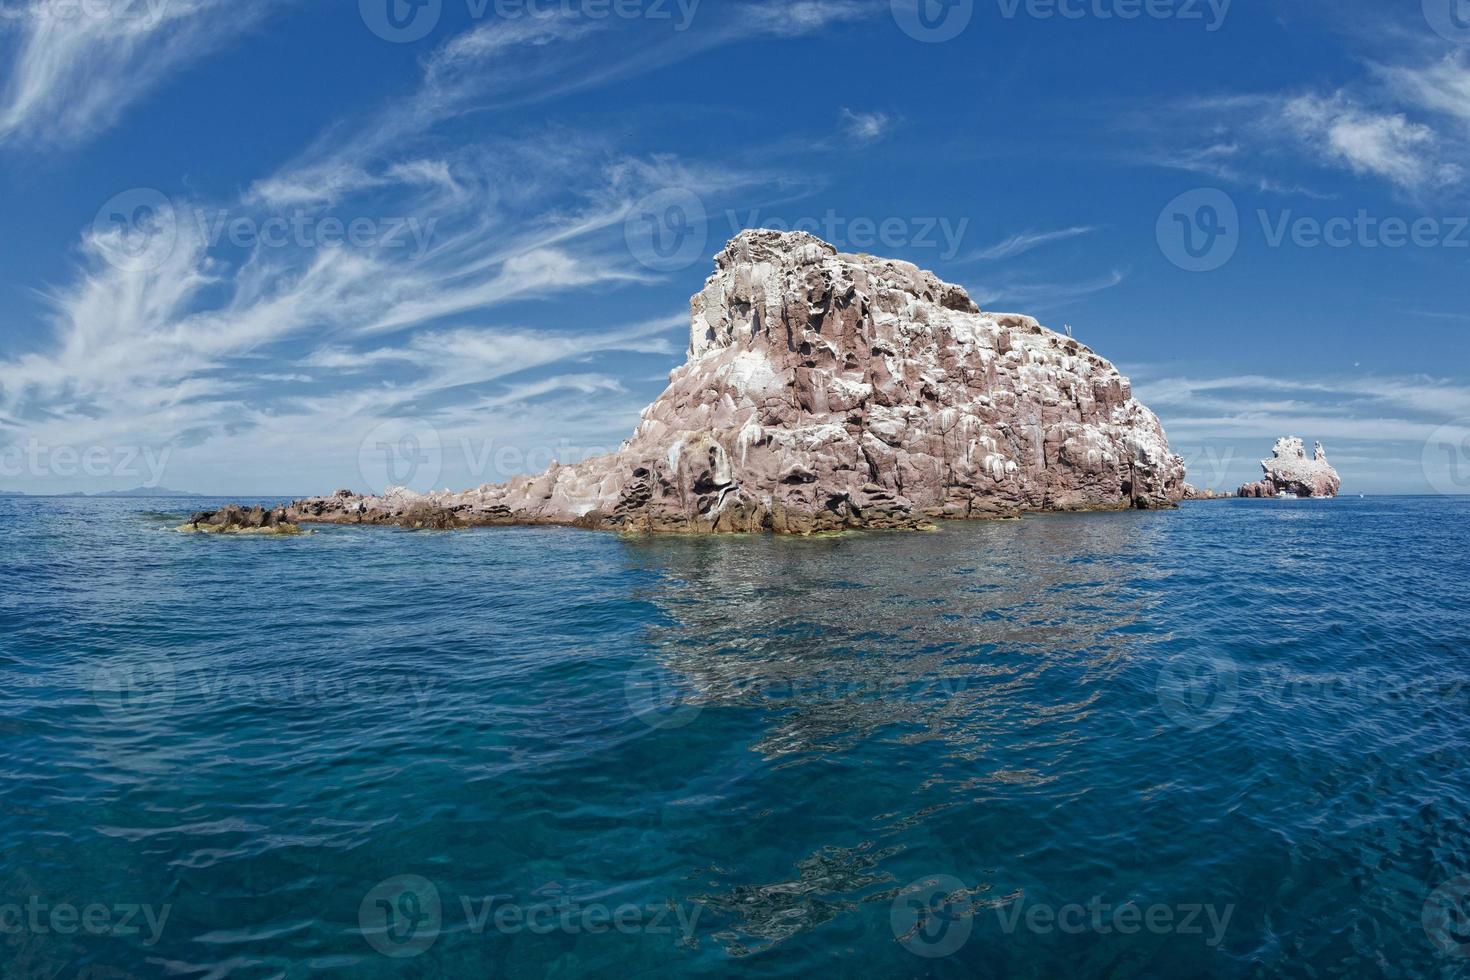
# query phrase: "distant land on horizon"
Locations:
[[135, 492]]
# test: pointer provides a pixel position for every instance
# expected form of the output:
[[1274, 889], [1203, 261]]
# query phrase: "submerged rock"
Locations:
[[1289, 470], [825, 391]]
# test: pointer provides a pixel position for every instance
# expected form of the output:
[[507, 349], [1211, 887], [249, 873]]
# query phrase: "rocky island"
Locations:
[[1290, 471], [826, 391]]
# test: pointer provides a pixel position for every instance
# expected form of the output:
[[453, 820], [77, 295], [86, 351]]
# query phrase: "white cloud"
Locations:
[[1026, 242], [204, 352], [1385, 145], [73, 74], [865, 127], [1041, 296], [1441, 87], [792, 18]]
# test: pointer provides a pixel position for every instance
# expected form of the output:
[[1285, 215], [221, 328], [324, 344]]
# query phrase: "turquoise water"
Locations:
[[1225, 741]]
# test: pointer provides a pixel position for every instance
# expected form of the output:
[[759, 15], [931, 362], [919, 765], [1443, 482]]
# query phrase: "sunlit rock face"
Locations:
[[826, 391], [1291, 470]]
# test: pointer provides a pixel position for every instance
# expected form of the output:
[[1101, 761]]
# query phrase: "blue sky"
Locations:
[[249, 244]]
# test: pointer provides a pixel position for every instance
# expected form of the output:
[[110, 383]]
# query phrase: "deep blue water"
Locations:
[[951, 754]]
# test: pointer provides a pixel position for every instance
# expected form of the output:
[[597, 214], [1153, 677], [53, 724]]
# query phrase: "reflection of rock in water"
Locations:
[[945, 633], [771, 913], [939, 672]]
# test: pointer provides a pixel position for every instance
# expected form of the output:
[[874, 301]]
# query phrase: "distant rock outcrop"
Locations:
[[826, 391], [1192, 493], [238, 520], [1290, 470]]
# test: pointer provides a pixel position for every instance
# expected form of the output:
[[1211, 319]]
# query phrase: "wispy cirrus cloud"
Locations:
[[1410, 155], [74, 72], [864, 127], [1026, 241], [1041, 296], [240, 353], [793, 18], [1405, 125]]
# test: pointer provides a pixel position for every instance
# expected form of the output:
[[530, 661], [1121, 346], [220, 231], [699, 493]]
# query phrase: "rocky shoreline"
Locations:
[[825, 392]]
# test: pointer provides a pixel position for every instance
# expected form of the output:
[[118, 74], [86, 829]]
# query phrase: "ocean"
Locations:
[[1225, 741]]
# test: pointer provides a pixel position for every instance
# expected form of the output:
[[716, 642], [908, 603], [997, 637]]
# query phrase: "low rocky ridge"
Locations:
[[826, 391], [238, 520], [1289, 470]]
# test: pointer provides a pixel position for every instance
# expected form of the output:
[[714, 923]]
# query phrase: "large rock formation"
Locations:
[[827, 391], [1290, 471]]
